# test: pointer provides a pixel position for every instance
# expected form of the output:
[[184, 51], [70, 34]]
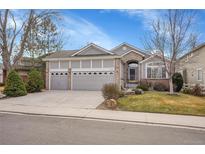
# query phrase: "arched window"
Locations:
[[156, 70]]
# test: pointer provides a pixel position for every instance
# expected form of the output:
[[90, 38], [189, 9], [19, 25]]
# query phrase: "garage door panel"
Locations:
[[59, 81], [91, 80]]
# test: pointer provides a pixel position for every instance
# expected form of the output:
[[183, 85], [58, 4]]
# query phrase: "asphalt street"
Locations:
[[28, 129]]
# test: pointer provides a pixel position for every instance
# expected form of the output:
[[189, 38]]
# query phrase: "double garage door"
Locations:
[[81, 80]]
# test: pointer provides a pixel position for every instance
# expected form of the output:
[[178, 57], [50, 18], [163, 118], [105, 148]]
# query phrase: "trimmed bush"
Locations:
[[144, 87], [35, 81], [111, 91], [178, 82], [14, 85], [159, 87]]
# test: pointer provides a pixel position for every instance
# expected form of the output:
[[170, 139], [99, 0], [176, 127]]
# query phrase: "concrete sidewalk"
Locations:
[[139, 117]]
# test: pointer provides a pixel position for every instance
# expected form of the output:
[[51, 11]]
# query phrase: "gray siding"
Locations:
[[107, 63], [92, 51]]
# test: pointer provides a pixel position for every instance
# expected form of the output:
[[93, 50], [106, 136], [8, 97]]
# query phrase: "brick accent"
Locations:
[[47, 75]]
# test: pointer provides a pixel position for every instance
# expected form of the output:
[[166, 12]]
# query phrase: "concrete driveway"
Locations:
[[67, 99]]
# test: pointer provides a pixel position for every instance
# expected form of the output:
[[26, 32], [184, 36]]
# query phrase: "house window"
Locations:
[[199, 74], [156, 70]]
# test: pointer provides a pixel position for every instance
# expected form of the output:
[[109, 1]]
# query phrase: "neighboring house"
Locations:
[[192, 66], [93, 66], [24, 65], [1, 73]]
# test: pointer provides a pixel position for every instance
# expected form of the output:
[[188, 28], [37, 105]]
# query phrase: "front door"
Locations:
[[132, 74]]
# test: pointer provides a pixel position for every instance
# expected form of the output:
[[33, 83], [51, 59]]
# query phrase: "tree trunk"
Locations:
[[171, 88]]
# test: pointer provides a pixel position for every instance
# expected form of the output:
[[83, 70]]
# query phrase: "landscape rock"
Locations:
[[111, 103]]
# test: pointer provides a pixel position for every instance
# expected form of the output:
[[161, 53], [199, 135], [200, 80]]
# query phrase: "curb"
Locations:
[[105, 119]]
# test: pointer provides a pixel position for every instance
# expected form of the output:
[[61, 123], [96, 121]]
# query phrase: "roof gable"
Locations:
[[92, 49], [124, 48]]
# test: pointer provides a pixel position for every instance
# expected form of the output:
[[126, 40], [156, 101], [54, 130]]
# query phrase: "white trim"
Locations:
[[80, 63], [94, 45], [132, 51], [92, 69], [58, 70]]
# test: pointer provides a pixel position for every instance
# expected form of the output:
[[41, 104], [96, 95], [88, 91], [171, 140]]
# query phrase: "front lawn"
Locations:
[[161, 102]]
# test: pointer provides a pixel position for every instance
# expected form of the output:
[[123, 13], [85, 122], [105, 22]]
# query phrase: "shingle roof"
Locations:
[[69, 53], [62, 54]]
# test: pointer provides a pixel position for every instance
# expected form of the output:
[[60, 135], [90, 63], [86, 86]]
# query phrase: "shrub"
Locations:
[[14, 85], [35, 81], [197, 90], [178, 82], [159, 87], [187, 91], [111, 91], [143, 86], [138, 91]]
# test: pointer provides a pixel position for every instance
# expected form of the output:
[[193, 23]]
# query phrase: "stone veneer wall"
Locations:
[[117, 72]]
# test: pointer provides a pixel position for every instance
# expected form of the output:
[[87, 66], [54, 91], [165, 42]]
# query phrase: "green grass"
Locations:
[[161, 102]]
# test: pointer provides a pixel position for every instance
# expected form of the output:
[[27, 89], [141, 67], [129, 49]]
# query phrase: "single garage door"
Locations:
[[59, 81], [91, 80]]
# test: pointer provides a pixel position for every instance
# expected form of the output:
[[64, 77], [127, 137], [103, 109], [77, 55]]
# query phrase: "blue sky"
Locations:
[[109, 28]]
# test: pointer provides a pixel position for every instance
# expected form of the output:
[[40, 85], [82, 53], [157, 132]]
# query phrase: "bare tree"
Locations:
[[44, 38], [13, 36], [172, 34]]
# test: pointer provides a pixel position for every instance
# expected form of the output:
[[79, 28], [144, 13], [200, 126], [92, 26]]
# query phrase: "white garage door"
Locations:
[[91, 80], [59, 81]]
